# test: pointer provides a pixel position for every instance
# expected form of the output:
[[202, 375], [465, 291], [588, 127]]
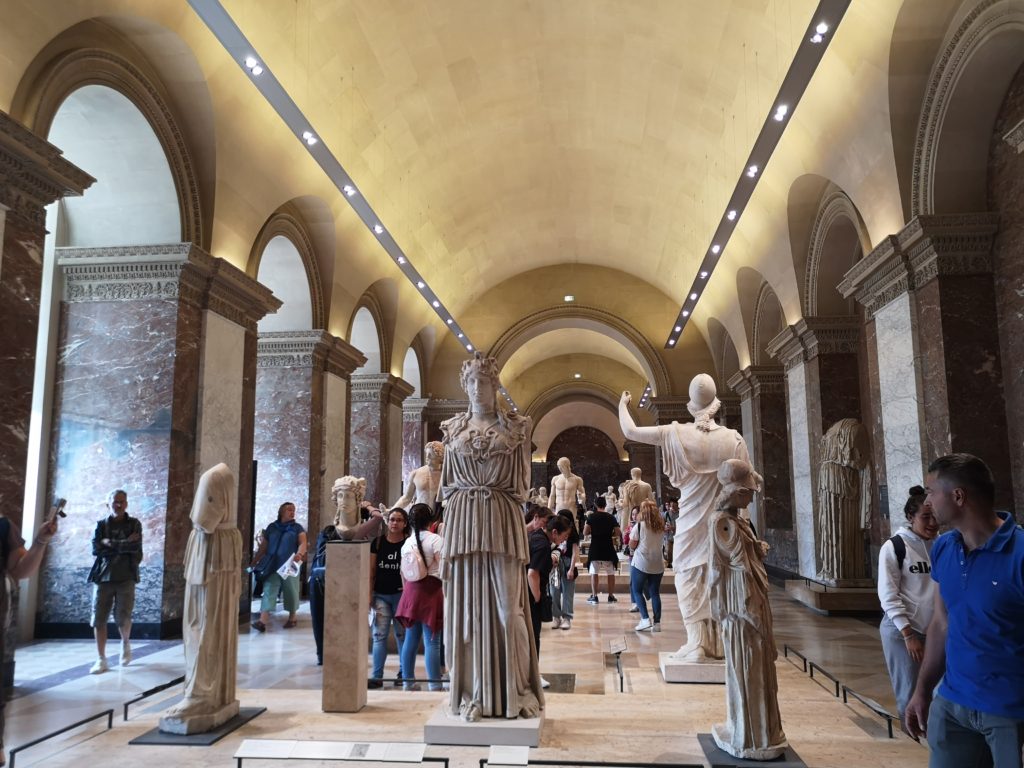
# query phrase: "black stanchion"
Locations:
[[108, 713], [150, 692]]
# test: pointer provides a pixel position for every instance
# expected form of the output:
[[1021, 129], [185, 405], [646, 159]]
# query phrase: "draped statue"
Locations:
[[844, 501]]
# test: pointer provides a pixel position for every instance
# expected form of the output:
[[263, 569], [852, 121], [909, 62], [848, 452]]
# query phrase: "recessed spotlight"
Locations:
[[671, 342], [251, 62], [449, 321], [816, 39], [731, 215], [716, 248], [693, 297], [257, 70], [822, 28], [469, 347], [349, 190], [686, 313], [421, 285], [704, 275], [309, 138], [568, 297], [780, 112], [436, 303], [378, 228], [752, 171], [400, 259], [678, 328], [577, 376], [461, 335]]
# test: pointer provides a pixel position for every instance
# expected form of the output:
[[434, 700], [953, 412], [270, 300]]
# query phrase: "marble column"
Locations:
[[291, 413], [155, 382], [731, 414], [414, 434], [375, 433], [762, 393], [819, 355], [930, 292], [32, 175]]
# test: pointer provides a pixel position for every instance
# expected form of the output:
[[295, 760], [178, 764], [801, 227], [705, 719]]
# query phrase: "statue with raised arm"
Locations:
[[423, 483], [566, 488], [691, 454]]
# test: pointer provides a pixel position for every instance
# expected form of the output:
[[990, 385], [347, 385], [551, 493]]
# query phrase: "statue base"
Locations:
[[829, 600], [442, 728], [676, 671], [719, 758], [187, 724]]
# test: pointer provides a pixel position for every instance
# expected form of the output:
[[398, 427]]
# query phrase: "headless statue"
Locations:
[[566, 488], [692, 454], [634, 491], [423, 483]]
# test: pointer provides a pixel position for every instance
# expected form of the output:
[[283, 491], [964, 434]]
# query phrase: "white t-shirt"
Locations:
[[647, 556], [432, 545]]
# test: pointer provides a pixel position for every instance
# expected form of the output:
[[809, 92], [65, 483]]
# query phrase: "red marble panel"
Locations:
[[367, 447]]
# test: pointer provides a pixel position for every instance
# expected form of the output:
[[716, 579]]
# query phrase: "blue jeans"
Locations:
[[562, 595], [643, 585], [431, 653], [384, 607], [959, 737]]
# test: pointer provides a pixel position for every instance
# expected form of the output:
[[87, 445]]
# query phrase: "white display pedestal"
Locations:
[[691, 671], [346, 630], [441, 728]]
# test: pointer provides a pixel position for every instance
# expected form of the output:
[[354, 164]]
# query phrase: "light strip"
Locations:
[[223, 27], [805, 62]]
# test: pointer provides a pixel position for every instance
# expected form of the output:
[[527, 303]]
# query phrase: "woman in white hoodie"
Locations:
[[906, 591]]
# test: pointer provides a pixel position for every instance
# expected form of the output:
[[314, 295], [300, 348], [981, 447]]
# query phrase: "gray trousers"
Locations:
[[959, 737], [902, 669]]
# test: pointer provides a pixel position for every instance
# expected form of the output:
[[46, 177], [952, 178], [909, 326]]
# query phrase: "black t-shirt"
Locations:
[[387, 580], [601, 547], [540, 558]]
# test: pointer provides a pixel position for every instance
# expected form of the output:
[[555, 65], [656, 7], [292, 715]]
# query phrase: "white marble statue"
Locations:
[[738, 592], [488, 634], [542, 497], [213, 564], [634, 491], [422, 485], [566, 488], [347, 494], [610, 500], [691, 455], [844, 501]]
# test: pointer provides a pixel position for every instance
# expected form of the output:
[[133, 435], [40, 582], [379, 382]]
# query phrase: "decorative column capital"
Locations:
[[414, 409], [669, 408], [379, 387], [927, 247], [342, 358], [177, 271], [292, 349], [755, 380], [812, 336], [34, 173]]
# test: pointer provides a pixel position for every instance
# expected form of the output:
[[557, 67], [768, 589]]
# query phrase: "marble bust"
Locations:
[[738, 592], [566, 488], [423, 483], [844, 502], [347, 495], [542, 497], [692, 454]]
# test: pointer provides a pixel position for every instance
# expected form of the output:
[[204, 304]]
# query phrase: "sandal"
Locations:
[[259, 626], [290, 623]]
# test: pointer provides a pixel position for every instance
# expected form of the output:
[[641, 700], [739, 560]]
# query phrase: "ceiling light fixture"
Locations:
[[349, 190], [780, 112], [686, 313], [309, 138], [421, 285], [400, 259], [378, 228], [671, 342], [678, 328], [693, 297], [731, 215], [568, 297], [449, 321], [716, 248], [461, 334], [253, 65], [752, 171], [577, 376], [704, 274], [435, 303]]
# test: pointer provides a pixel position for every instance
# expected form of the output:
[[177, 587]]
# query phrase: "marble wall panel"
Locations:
[[871, 404], [803, 491], [784, 552], [777, 496], [21, 265], [220, 388], [900, 400], [282, 439], [335, 440], [839, 377], [412, 447], [365, 459], [393, 470], [1006, 195]]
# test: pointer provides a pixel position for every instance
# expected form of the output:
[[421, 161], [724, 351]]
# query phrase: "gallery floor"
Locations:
[[650, 722]]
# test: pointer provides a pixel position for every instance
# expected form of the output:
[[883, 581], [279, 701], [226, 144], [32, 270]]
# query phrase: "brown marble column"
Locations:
[[930, 292], [291, 416], [155, 382], [414, 434], [819, 356], [32, 175], [375, 433], [762, 392]]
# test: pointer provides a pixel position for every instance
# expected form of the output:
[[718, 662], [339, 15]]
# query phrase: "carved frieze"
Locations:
[[666, 409], [379, 387], [813, 336], [414, 409], [755, 380]]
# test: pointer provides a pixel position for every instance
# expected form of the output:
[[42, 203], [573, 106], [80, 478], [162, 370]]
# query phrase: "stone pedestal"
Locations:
[[930, 292], [674, 671], [292, 411], [819, 356], [346, 631], [862, 598], [442, 728], [762, 395], [199, 723], [155, 382], [375, 433]]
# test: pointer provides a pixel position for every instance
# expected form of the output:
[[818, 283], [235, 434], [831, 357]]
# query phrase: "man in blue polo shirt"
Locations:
[[975, 640]]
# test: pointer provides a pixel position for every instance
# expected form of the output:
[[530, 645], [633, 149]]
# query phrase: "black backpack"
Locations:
[[899, 546]]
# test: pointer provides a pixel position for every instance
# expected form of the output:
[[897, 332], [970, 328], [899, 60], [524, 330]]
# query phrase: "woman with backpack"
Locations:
[[421, 607], [907, 593]]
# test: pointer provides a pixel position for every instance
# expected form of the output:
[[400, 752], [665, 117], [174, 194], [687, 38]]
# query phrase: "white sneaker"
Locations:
[[556, 623], [566, 623], [126, 653], [633, 608], [544, 683], [99, 667], [642, 625], [656, 627]]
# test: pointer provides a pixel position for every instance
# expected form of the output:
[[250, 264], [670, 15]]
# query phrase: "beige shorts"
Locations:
[[116, 595], [601, 568]]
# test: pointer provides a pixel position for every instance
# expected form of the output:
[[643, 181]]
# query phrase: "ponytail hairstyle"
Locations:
[[914, 501], [420, 518]]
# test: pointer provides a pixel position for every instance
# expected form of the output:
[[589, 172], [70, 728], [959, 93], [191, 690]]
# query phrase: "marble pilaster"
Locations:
[[414, 431], [731, 413], [32, 175], [766, 430], [375, 433], [155, 376], [930, 291]]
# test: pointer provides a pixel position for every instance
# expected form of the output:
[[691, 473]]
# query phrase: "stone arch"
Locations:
[[288, 223], [965, 92], [58, 72], [366, 333], [412, 369], [723, 350], [838, 240], [590, 318], [769, 321], [576, 413], [571, 391]]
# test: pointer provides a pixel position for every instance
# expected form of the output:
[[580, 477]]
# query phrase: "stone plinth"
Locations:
[[199, 723], [442, 728], [832, 600], [346, 632], [674, 671]]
